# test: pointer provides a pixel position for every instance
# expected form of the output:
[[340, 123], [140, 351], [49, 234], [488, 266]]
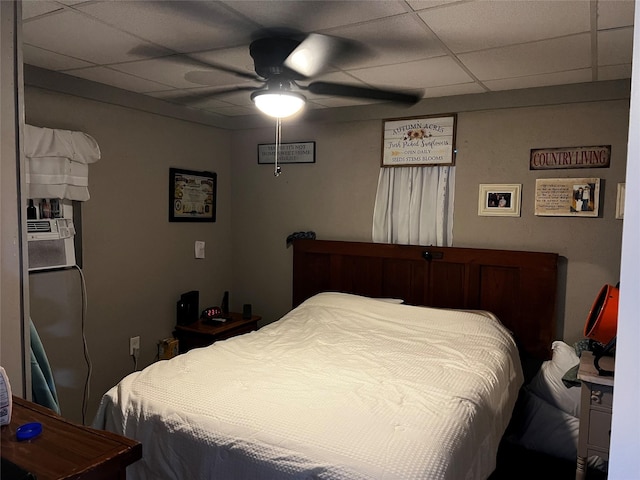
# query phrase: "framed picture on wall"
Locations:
[[568, 197], [192, 196], [499, 200]]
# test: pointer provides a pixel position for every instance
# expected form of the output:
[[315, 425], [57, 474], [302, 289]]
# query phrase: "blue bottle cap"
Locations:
[[28, 431]]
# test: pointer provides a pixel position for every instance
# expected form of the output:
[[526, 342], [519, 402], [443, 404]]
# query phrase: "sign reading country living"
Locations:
[[418, 141], [570, 157]]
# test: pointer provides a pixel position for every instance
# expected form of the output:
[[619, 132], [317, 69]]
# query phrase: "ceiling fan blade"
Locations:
[[342, 90], [161, 54], [316, 52], [313, 55], [203, 95]]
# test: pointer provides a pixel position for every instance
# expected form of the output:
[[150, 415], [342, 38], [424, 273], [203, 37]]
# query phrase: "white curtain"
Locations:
[[414, 206]]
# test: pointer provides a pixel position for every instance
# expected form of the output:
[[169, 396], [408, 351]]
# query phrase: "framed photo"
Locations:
[[568, 197], [416, 141], [499, 200], [620, 201], [192, 196], [300, 152]]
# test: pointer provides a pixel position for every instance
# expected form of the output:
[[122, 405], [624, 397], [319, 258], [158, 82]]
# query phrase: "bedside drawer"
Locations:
[[601, 396], [599, 429]]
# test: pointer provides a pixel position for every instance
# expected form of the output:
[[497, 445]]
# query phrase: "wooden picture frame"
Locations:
[[567, 197], [192, 196], [499, 200], [418, 141]]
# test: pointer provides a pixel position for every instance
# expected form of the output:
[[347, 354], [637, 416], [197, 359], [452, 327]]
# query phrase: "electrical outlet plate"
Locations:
[[134, 344]]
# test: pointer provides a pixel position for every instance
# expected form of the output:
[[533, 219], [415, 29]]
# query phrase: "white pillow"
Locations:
[[547, 429], [548, 385]]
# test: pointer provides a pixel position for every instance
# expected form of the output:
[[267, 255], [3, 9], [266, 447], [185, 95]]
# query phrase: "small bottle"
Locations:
[[31, 211], [46, 209]]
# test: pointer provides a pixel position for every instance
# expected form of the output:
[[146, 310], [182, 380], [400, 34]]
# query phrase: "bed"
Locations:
[[347, 385]]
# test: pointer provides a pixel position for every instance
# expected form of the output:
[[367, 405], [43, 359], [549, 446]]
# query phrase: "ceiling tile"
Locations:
[[50, 60], [573, 76], [117, 79], [560, 54], [75, 35], [424, 4], [615, 46], [312, 16], [615, 13], [34, 9], [466, 27], [390, 41], [422, 73], [184, 26]]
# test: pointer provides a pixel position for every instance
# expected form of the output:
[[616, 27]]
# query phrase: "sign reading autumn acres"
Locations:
[[419, 141]]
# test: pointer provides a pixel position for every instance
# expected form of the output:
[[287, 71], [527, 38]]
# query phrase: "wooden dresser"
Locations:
[[65, 450], [596, 402]]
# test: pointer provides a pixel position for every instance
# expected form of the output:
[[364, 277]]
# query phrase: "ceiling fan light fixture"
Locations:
[[279, 104]]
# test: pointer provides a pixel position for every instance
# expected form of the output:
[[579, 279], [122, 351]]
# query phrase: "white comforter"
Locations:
[[343, 387]]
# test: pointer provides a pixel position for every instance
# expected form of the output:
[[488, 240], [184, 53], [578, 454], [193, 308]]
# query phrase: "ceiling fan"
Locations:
[[283, 64]]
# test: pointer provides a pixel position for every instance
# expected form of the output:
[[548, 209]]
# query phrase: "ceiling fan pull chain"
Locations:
[[278, 170]]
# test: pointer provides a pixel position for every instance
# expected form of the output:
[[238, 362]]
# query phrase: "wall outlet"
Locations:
[[134, 345]]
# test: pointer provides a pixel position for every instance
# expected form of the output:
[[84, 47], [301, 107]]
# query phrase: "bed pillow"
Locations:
[[546, 429], [547, 384]]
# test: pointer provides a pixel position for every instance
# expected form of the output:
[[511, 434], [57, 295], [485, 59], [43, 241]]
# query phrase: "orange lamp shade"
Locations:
[[602, 322]]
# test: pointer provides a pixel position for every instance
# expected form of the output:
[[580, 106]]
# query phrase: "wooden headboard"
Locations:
[[519, 287]]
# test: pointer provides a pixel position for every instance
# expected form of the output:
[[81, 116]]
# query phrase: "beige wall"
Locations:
[[334, 197], [136, 263]]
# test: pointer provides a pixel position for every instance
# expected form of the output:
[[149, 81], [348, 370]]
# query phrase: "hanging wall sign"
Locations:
[[418, 141], [570, 157], [301, 152]]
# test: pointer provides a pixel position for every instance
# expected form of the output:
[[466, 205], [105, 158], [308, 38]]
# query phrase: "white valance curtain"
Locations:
[[414, 206], [57, 162]]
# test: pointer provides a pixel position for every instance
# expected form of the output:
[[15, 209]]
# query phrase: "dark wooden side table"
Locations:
[[65, 450], [201, 334]]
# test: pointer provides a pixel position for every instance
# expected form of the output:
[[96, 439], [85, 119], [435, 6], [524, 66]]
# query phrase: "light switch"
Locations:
[[199, 249]]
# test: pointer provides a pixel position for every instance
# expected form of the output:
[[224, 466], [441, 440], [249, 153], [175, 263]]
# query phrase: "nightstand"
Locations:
[[596, 401], [201, 334]]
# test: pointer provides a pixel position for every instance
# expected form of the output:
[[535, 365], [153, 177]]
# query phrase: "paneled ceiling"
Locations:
[[443, 47]]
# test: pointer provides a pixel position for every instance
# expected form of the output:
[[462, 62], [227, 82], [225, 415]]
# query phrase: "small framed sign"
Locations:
[[192, 196], [569, 197], [499, 200], [295, 152], [417, 141]]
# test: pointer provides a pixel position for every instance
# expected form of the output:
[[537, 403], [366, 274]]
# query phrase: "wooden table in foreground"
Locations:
[[66, 450]]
